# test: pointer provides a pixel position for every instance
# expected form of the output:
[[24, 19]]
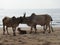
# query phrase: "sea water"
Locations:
[[54, 13]]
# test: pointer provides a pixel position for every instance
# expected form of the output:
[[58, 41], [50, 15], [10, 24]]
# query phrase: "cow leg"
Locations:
[[45, 28], [52, 29], [31, 29], [7, 30], [14, 31], [49, 28], [35, 28], [3, 29]]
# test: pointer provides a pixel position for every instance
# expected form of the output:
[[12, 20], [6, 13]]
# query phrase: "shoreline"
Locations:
[[28, 28]]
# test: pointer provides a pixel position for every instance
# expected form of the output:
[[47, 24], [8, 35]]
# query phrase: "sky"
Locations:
[[29, 4], [26, 4]]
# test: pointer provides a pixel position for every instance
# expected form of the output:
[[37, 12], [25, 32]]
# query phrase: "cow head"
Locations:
[[25, 19]]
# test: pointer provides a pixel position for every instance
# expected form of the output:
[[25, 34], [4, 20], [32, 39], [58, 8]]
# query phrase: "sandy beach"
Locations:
[[31, 39]]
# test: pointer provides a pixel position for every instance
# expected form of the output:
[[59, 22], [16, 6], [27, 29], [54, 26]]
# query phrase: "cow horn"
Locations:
[[24, 14]]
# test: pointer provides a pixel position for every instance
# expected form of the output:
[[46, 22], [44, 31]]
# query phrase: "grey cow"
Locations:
[[42, 19]]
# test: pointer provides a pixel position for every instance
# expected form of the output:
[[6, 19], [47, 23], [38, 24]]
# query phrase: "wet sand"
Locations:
[[39, 38]]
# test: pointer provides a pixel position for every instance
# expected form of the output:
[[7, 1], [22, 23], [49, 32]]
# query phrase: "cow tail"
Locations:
[[51, 21], [51, 26]]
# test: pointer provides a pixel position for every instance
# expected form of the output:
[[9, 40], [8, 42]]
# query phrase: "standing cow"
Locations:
[[11, 22], [43, 20]]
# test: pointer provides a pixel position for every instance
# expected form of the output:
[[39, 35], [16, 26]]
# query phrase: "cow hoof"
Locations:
[[52, 31], [43, 32], [14, 35], [35, 32], [49, 32], [8, 34], [3, 33], [30, 32]]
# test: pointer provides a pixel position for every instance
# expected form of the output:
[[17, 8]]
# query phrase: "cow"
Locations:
[[11, 22], [21, 31], [42, 19]]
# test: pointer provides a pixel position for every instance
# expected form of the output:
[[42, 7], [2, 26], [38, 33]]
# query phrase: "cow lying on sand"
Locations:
[[11, 22], [21, 31], [43, 20]]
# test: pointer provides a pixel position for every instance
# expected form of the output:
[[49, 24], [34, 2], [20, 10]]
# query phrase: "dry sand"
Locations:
[[31, 39]]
